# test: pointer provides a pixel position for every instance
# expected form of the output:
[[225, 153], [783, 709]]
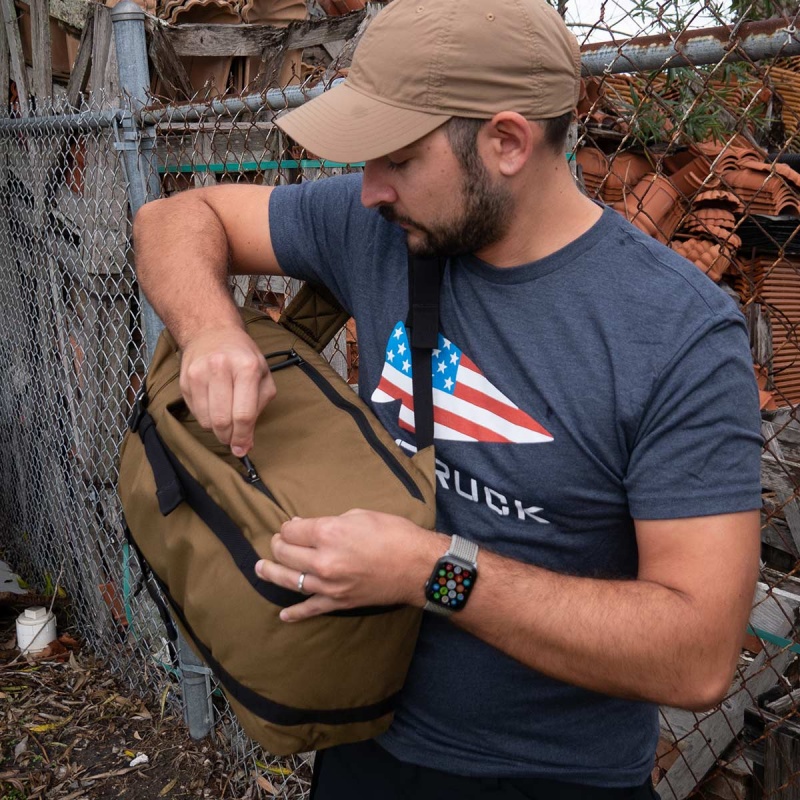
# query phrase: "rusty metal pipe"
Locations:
[[749, 41]]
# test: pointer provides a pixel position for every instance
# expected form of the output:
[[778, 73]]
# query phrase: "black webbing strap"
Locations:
[[145, 581], [424, 277], [271, 710], [168, 487], [175, 484]]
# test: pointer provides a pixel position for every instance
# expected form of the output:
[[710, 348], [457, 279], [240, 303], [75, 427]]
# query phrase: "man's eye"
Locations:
[[396, 165]]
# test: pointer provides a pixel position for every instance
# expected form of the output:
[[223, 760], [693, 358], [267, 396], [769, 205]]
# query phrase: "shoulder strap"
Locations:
[[424, 277], [314, 315]]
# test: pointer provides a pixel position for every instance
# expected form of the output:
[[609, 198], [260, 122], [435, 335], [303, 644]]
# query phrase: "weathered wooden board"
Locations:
[[773, 608], [79, 77], [19, 72], [5, 73], [168, 65], [103, 187], [219, 144], [786, 496], [253, 40], [705, 738], [103, 77], [98, 340], [42, 86], [72, 12], [345, 57], [775, 533], [782, 764], [779, 476], [713, 732]]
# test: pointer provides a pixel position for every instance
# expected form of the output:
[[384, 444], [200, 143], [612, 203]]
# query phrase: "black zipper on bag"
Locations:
[[360, 419], [254, 479], [292, 358]]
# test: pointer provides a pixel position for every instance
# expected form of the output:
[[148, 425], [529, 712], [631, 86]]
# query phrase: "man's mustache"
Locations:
[[390, 215]]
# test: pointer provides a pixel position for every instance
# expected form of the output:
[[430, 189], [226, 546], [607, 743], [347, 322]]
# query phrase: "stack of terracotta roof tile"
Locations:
[[624, 173], [706, 234], [657, 202], [786, 81], [775, 283], [694, 200], [614, 101], [766, 188], [713, 258], [336, 8], [594, 170]]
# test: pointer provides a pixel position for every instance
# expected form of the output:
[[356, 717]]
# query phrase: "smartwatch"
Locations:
[[453, 578]]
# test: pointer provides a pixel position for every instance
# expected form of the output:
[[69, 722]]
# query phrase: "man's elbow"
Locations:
[[145, 221], [705, 685]]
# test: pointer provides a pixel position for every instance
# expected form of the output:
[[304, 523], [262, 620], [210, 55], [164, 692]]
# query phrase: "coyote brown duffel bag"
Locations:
[[201, 520]]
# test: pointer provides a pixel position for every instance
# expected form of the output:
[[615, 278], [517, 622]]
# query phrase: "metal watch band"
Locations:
[[463, 549]]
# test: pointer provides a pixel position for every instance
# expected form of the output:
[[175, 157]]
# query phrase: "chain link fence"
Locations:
[[696, 143]]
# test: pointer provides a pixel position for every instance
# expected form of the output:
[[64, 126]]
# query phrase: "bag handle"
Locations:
[[314, 315]]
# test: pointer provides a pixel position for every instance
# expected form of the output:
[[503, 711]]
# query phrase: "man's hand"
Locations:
[[361, 558], [226, 383]]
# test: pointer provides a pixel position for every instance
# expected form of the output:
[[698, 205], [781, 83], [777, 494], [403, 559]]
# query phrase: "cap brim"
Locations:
[[347, 126]]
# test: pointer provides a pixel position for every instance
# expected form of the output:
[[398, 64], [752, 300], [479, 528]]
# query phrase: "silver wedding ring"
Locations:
[[300, 582]]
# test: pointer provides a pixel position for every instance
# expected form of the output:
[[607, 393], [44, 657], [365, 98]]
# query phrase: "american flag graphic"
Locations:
[[466, 406]]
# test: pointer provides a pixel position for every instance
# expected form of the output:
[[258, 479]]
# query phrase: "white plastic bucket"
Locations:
[[36, 628]]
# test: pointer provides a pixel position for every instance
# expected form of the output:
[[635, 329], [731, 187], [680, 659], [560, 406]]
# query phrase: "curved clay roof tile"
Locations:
[[218, 9], [719, 197]]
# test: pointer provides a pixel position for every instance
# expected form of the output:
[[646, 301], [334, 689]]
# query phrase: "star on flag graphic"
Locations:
[[467, 407]]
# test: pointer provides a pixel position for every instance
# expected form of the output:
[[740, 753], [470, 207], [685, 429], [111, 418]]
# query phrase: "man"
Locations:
[[606, 467]]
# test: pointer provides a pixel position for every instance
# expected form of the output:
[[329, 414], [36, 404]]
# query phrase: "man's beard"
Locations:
[[484, 220]]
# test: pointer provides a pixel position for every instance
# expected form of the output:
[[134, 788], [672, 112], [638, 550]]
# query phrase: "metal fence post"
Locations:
[[138, 146], [139, 157]]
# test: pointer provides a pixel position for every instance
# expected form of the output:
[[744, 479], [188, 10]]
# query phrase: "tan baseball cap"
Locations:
[[422, 62]]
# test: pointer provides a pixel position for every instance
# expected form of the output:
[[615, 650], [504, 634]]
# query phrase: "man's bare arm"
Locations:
[[672, 636], [186, 246]]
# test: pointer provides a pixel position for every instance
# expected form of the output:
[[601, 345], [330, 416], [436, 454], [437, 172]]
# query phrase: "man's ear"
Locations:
[[511, 140]]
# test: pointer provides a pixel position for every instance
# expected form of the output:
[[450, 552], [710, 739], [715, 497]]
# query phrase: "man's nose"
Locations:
[[376, 190]]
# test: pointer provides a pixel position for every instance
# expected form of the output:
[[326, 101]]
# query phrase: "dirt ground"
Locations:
[[70, 731]]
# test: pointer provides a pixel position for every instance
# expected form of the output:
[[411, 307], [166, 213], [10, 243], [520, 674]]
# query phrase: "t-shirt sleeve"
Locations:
[[698, 447], [319, 229]]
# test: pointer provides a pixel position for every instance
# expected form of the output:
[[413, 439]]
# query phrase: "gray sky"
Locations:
[[617, 16]]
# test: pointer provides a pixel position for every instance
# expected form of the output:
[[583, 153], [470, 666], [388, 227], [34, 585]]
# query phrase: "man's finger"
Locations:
[[297, 557], [195, 393], [315, 605], [245, 407], [305, 532], [287, 577], [220, 400]]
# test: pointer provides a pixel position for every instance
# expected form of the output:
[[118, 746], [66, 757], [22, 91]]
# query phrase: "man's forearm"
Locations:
[[182, 264], [633, 638]]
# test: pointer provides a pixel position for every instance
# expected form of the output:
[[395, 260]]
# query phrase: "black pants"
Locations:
[[365, 771]]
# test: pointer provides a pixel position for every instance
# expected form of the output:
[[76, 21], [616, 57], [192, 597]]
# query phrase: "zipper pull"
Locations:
[[252, 476], [291, 359]]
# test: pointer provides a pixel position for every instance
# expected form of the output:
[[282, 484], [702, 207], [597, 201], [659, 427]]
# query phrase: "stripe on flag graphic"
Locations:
[[466, 406]]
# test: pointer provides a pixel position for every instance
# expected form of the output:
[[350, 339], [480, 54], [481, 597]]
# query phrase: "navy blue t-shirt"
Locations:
[[607, 382]]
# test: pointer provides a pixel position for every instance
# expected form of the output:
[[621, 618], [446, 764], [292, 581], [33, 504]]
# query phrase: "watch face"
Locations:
[[450, 584]]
